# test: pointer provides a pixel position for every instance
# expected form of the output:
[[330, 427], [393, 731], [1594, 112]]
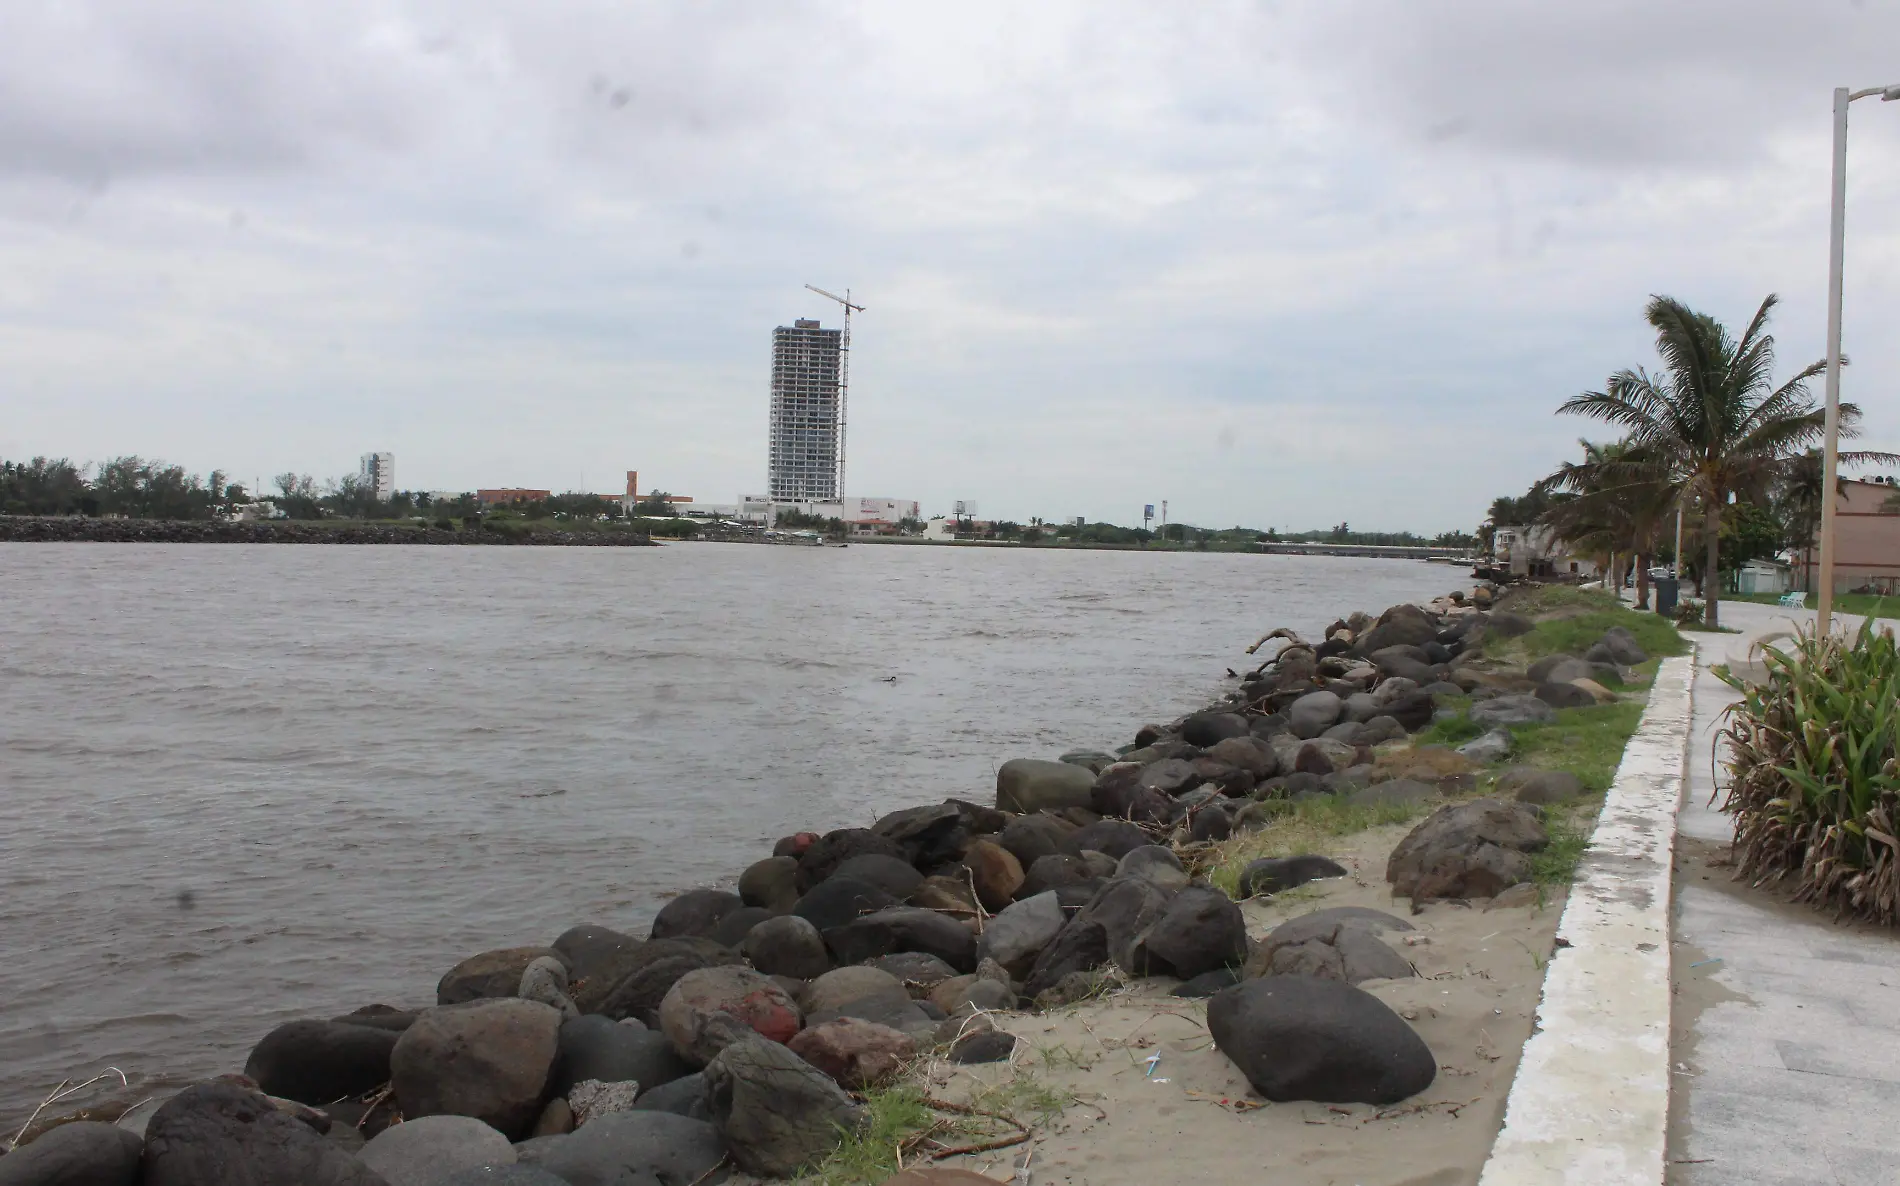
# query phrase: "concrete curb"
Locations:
[[1590, 1103]]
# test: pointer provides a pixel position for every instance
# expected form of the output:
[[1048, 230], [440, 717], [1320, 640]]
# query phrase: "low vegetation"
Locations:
[[1302, 826], [1871, 605], [1815, 771]]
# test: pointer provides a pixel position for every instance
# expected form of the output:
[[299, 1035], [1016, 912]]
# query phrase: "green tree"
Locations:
[[1712, 418], [1619, 499]]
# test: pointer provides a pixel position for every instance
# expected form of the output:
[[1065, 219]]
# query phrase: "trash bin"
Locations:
[[1666, 591]]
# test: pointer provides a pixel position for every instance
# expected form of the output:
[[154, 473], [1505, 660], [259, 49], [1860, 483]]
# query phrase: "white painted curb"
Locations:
[[1590, 1103]]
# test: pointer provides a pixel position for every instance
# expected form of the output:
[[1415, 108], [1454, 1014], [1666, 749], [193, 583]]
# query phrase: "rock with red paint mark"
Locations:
[[691, 1012]]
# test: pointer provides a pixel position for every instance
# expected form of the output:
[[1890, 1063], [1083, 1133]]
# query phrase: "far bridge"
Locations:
[[1380, 551]]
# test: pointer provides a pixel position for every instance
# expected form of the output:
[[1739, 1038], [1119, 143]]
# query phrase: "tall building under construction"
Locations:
[[806, 425]]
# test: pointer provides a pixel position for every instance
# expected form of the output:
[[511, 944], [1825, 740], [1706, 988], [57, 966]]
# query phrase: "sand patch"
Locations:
[[1190, 1116]]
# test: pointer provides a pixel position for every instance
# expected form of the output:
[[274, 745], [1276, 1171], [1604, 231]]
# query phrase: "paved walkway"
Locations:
[[1787, 1045]]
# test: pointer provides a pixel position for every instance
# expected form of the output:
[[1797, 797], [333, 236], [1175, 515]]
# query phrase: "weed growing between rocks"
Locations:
[[1569, 831]]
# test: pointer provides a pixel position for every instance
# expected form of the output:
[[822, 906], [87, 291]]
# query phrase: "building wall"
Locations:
[[378, 472], [803, 431], [1866, 542], [508, 494]]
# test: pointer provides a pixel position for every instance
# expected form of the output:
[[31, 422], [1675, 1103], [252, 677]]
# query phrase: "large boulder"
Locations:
[[1313, 714], [1113, 837], [1120, 792], [1322, 756], [229, 1135], [751, 998], [840, 988], [951, 895], [833, 849], [1337, 944], [493, 1060], [929, 835], [837, 900], [78, 1153], [1026, 785], [1169, 776], [684, 1096], [857, 1054], [733, 928], [904, 928], [490, 974], [1156, 863], [1402, 625], [423, 1151], [1053, 872], [771, 883], [593, 1047], [1199, 930], [1360, 707], [1404, 662], [1564, 695], [1017, 936], [649, 973], [994, 871], [777, 1112], [596, 957], [1208, 729], [694, 913], [1503, 712], [1248, 753], [1081, 946], [894, 875], [1032, 837], [1125, 908], [1617, 646], [918, 971], [1528, 784], [787, 946], [319, 1062], [637, 1148], [1467, 850], [1302, 1038]]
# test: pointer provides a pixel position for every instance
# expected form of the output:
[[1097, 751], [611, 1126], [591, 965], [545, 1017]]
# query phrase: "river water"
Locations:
[[242, 784]]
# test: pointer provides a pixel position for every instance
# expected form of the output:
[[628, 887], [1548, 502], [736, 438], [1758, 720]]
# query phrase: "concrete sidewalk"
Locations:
[[1786, 1051]]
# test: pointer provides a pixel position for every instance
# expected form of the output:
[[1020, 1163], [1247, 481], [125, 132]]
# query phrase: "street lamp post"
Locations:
[[1837, 240]]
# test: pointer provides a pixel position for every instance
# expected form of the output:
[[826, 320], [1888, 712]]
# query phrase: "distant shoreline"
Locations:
[[281, 531]]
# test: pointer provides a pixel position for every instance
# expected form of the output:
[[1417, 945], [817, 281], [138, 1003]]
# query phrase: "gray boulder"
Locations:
[[1246, 753], [1026, 785], [1017, 936], [490, 974], [1155, 863], [1510, 711], [1199, 930], [594, 954], [839, 900], [1332, 945], [1125, 908], [492, 1060], [1528, 784], [1029, 838], [1304, 1038], [1081, 947], [777, 1112], [1405, 663], [898, 878], [1312, 714], [637, 1148], [1208, 729], [709, 1007], [317, 1062], [1494, 746], [545, 981], [423, 1151], [1617, 646], [787, 946], [1402, 625], [647, 975], [841, 987], [79, 1153], [225, 1134], [919, 971], [830, 851], [1053, 872], [593, 1047], [1272, 875], [685, 1096], [1467, 850], [694, 913], [771, 883], [1361, 707], [1114, 838], [1169, 776], [904, 928], [1564, 696], [1381, 729]]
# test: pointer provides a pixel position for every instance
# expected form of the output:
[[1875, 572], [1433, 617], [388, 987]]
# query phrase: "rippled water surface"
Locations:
[[244, 784]]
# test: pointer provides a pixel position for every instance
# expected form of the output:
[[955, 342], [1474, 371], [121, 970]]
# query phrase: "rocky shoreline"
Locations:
[[742, 1032], [282, 531]]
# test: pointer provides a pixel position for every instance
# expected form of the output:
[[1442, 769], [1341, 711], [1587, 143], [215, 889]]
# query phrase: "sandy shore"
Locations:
[[1193, 1118]]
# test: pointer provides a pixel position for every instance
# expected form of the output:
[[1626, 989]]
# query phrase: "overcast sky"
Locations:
[[1279, 264]]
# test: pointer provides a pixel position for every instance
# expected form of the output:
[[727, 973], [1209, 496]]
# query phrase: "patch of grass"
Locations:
[[1585, 615], [1025, 1097], [1871, 605], [1588, 742], [869, 1155], [1569, 836], [1303, 826], [1453, 731]]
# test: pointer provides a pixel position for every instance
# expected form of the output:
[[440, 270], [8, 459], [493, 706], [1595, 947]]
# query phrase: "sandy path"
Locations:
[[1194, 1118]]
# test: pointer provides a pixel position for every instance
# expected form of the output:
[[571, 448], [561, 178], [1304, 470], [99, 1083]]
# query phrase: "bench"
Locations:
[[1793, 601]]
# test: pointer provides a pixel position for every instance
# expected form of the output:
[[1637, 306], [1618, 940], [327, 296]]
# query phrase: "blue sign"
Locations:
[[1148, 511]]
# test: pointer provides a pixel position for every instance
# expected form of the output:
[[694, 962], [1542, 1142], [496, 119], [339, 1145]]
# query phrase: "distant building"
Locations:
[[1866, 541], [863, 515], [377, 473], [804, 434], [502, 496], [1535, 551]]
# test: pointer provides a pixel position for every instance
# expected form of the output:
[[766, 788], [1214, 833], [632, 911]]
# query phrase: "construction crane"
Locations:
[[844, 372]]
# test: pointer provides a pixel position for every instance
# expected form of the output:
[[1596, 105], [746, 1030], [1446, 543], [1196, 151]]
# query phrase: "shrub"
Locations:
[[1814, 764], [1689, 612], [445, 524]]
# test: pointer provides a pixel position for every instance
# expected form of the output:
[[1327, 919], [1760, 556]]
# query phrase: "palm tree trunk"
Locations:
[[1711, 575], [1642, 580]]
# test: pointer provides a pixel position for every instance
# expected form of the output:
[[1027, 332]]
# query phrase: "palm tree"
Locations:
[[1620, 499], [1712, 420]]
